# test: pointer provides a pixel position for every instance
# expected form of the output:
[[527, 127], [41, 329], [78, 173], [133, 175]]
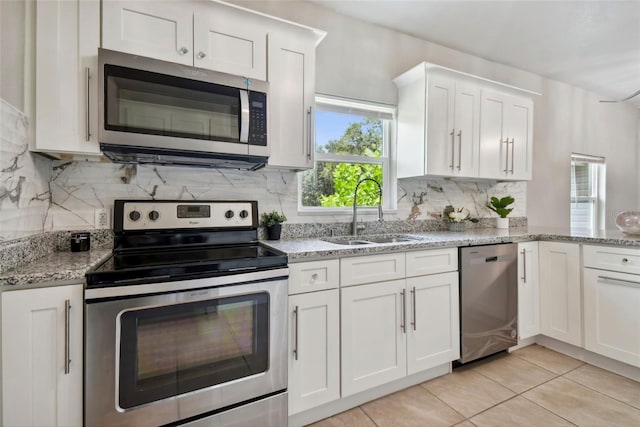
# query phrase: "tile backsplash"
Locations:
[[39, 195]]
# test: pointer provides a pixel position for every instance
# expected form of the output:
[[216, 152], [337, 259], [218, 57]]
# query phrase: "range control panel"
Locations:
[[160, 214]]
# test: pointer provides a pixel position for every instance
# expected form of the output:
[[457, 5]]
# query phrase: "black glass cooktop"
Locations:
[[161, 265]]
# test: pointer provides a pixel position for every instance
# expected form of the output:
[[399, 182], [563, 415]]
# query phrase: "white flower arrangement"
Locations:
[[459, 215]]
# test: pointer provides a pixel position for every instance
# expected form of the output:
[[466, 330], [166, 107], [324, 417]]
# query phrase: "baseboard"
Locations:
[[590, 357], [523, 343], [345, 403]]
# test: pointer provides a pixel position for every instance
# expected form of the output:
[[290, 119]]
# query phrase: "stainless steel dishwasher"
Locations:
[[488, 300]]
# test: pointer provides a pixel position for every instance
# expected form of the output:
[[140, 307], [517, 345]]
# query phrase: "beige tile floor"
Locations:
[[533, 386]]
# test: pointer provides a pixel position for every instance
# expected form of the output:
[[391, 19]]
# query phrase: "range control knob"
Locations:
[[244, 214], [229, 214], [134, 215], [154, 215]]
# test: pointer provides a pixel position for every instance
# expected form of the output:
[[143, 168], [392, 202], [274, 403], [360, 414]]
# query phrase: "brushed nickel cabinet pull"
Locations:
[[453, 148], [295, 341], [630, 282], [403, 320], [413, 296], [459, 150], [524, 266], [67, 338], [506, 162], [88, 106], [309, 130], [513, 150]]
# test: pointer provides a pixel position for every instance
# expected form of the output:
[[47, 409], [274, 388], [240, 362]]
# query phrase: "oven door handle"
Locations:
[[244, 116]]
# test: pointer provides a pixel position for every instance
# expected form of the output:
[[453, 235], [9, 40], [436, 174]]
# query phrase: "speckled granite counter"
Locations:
[[61, 267], [55, 267], [310, 249]]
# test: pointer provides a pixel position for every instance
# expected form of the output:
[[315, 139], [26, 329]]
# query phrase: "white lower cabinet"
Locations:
[[434, 321], [560, 293], [42, 356], [612, 302], [373, 324], [314, 350], [528, 290]]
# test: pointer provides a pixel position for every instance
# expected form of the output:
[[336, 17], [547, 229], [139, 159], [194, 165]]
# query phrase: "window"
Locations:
[[587, 192], [352, 142]]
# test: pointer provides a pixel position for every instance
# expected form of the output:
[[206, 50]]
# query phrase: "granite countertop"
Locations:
[[310, 249], [66, 267], [54, 268]]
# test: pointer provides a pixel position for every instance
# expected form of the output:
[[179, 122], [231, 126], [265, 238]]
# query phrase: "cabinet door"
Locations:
[[374, 321], [161, 30], [560, 296], [67, 41], [493, 158], [440, 153], [291, 77], [314, 350], [467, 129], [36, 389], [226, 41], [433, 324], [611, 315], [528, 293], [519, 122]]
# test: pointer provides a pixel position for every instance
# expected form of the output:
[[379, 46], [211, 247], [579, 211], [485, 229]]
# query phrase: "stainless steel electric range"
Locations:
[[186, 320]]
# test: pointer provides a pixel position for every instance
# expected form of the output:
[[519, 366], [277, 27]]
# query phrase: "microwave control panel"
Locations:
[[257, 118]]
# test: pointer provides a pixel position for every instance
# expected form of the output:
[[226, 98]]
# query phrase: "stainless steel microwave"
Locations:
[[151, 111]]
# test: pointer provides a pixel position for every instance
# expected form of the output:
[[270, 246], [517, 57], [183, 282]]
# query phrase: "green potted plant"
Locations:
[[499, 206], [273, 221]]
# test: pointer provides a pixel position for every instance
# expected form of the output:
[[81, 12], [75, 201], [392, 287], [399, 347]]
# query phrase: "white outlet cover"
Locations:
[[101, 218]]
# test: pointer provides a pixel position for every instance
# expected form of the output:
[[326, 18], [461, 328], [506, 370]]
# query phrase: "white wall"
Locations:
[[359, 60]]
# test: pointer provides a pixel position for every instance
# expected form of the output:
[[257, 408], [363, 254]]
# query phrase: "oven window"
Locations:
[[155, 104], [171, 350]]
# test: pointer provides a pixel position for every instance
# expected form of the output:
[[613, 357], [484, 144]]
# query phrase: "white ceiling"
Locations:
[[590, 44]]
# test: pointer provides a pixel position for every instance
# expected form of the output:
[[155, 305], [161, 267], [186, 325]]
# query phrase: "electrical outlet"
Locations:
[[101, 218]]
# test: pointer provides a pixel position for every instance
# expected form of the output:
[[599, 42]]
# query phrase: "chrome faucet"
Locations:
[[354, 229]]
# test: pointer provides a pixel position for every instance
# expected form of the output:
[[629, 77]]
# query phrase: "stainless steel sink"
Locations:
[[347, 241], [389, 239], [368, 240]]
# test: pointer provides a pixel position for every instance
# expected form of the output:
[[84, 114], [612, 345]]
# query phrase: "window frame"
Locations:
[[596, 182], [389, 180]]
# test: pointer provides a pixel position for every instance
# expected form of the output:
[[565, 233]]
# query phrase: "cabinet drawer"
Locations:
[[313, 276], [624, 260], [431, 261], [371, 268]]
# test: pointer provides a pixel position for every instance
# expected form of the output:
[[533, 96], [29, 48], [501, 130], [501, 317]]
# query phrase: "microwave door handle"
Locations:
[[244, 116]]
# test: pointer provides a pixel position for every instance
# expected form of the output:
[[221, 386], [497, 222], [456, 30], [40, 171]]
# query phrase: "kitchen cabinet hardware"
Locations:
[[403, 320], [614, 279], [459, 149], [513, 151], [309, 128], [625, 260], [295, 339], [506, 157], [88, 106], [524, 266], [453, 148], [67, 338], [201, 55], [183, 50], [413, 298]]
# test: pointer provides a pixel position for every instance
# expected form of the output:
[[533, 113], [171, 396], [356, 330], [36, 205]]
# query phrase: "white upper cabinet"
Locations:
[[506, 136], [443, 118], [161, 30], [67, 38], [213, 36], [291, 75], [438, 125]]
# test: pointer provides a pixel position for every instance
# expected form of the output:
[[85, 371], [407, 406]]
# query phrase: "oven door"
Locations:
[[158, 359]]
